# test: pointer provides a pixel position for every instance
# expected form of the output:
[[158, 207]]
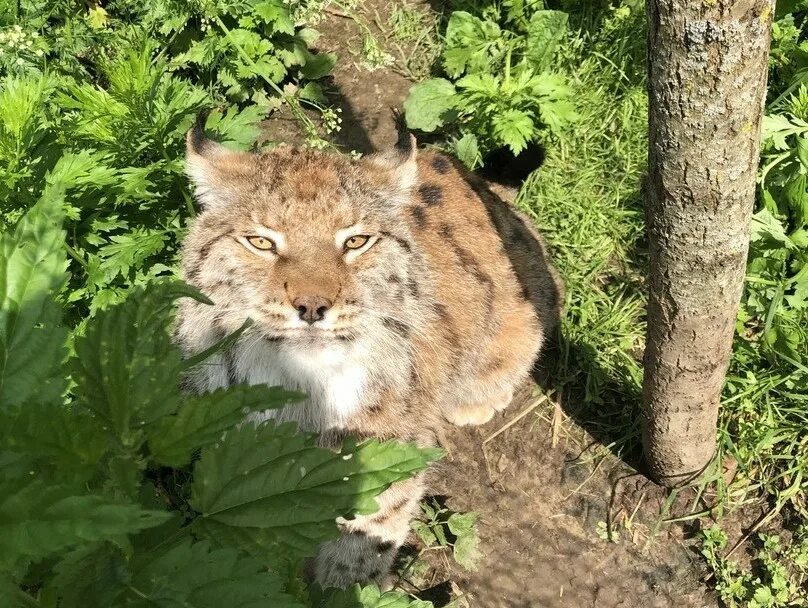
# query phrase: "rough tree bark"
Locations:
[[707, 81]]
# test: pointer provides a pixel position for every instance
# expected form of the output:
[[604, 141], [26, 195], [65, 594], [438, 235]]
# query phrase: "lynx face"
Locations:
[[311, 246]]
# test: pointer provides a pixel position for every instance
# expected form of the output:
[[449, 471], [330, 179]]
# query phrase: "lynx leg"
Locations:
[[481, 412], [369, 544]]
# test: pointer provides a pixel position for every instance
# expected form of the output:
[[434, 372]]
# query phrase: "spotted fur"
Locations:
[[439, 319]]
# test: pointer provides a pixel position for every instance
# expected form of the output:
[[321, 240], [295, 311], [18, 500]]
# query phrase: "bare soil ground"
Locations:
[[540, 501]]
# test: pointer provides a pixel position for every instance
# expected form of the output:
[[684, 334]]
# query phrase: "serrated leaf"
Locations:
[[276, 478], [317, 66], [92, 575], [466, 545], [428, 104], [198, 576], [32, 270], [514, 128], [38, 519], [776, 127], [471, 44], [312, 91], [56, 436], [126, 369], [768, 229], [424, 532], [367, 597], [468, 151], [275, 13], [237, 129], [202, 420], [545, 31]]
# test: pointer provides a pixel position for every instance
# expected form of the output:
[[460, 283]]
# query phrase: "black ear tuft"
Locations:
[[196, 136], [405, 142]]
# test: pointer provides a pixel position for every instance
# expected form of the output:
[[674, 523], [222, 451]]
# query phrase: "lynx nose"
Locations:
[[311, 308]]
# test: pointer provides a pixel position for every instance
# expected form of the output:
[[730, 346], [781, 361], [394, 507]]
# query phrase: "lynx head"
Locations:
[[311, 245]]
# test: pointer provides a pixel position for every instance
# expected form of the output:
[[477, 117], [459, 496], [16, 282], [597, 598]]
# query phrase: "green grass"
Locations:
[[586, 200]]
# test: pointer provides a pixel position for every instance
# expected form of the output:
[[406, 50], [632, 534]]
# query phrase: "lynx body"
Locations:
[[396, 291]]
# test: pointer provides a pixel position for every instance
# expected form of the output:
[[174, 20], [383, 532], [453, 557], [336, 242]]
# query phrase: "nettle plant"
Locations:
[[233, 48], [116, 489], [500, 90]]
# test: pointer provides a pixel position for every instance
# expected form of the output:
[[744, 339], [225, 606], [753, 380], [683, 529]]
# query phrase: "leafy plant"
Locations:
[[442, 527], [777, 578], [500, 89], [89, 512]]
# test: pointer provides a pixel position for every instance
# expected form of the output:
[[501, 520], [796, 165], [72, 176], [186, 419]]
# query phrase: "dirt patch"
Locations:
[[541, 512], [546, 513]]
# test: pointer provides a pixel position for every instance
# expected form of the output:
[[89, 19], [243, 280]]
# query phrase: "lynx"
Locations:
[[395, 291]]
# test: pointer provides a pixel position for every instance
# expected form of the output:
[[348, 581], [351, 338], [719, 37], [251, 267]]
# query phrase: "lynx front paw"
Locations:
[[479, 413], [471, 414]]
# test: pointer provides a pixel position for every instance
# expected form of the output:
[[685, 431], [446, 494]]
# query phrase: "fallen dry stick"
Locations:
[[513, 421]]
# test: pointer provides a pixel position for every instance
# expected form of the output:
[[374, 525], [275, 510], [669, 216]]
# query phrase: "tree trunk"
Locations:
[[707, 81]]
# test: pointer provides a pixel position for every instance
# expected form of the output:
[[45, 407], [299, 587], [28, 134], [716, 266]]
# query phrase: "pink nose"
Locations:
[[311, 308]]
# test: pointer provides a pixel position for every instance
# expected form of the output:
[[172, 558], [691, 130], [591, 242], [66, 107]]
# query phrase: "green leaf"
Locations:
[[514, 129], [428, 104], [195, 575], [202, 420], [38, 519], [126, 369], [274, 477], [802, 150], [93, 575], [367, 597], [776, 127], [32, 270], [468, 151], [769, 230], [237, 129], [466, 545], [312, 91], [545, 31], [318, 65], [472, 44], [276, 13], [57, 436], [11, 596], [424, 532]]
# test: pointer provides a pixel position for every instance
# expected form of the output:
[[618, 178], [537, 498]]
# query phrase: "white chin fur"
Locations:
[[334, 375]]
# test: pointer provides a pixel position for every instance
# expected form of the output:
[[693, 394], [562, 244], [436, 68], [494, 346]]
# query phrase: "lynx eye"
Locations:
[[261, 242], [357, 241]]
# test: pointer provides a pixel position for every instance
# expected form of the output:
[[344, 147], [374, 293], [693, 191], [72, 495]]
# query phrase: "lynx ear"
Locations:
[[401, 159], [211, 167]]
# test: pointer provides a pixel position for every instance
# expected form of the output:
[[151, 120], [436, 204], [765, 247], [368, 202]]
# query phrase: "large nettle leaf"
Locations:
[[38, 519], [195, 575], [277, 479], [55, 438], [126, 367], [188, 574], [32, 270], [202, 420], [367, 597]]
